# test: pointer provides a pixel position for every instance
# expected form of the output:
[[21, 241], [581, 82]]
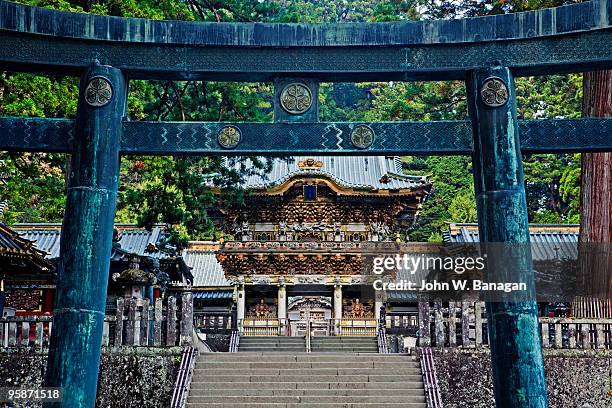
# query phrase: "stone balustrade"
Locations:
[[464, 324], [135, 322]]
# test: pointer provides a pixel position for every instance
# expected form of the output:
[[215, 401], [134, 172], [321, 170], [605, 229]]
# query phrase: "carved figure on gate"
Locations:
[[262, 309], [357, 309], [337, 230], [379, 229]]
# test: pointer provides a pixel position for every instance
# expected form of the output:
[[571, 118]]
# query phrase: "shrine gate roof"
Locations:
[[362, 172]]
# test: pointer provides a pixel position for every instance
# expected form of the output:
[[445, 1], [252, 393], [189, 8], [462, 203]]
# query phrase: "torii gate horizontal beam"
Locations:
[[391, 138], [572, 38]]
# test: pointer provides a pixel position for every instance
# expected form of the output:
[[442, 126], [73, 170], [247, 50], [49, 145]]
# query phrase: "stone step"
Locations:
[[264, 344], [284, 338], [212, 377], [308, 371], [325, 345], [394, 398], [303, 357], [332, 345], [272, 343], [343, 346], [271, 348], [334, 358], [340, 373], [398, 385], [198, 392], [341, 340], [244, 365], [347, 350], [332, 339], [351, 348], [309, 405], [272, 340]]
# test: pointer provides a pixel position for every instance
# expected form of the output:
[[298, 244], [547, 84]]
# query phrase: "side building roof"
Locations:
[[15, 246], [548, 241], [132, 239], [207, 271]]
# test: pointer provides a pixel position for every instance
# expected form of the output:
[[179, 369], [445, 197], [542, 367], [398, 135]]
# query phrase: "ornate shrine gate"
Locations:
[[485, 52]]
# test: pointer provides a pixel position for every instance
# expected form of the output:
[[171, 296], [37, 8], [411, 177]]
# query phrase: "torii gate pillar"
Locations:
[[514, 336], [86, 242]]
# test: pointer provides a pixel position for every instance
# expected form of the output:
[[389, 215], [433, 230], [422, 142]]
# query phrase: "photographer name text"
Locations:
[[456, 285]]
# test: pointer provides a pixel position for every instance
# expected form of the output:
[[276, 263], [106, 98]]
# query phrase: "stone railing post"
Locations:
[[171, 322], [186, 319]]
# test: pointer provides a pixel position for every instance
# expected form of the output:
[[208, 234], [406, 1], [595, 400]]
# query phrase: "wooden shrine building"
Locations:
[[27, 278], [141, 266], [296, 241]]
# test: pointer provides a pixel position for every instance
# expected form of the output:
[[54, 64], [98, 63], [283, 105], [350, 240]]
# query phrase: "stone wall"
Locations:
[[129, 377], [575, 378]]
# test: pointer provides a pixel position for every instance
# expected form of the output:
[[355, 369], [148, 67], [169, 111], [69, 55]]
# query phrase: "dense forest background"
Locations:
[[177, 191]]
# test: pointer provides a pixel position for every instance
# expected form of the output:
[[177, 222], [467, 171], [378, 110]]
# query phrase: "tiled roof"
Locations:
[[206, 270], [363, 172], [12, 244], [47, 240], [402, 296], [213, 294], [548, 241], [10, 241], [3, 206], [136, 240], [132, 239]]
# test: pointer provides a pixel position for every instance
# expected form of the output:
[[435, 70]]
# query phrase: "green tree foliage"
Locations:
[[548, 176], [33, 184]]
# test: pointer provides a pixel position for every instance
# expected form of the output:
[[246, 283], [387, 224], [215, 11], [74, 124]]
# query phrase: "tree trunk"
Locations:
[[596, 194]]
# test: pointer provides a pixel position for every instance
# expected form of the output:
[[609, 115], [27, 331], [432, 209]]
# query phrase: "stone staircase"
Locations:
[[344, 345], [277, 344], [302, 380]]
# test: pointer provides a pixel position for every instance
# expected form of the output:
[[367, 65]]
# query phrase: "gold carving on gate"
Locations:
[[358, 310], [261, 309], [310, 164]]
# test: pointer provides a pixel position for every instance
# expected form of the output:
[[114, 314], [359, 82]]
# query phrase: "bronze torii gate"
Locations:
[[485, 52]]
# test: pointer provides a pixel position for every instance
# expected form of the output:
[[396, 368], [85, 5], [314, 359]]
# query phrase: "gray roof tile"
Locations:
[[132, 239], [548, 242], [205, 268], [363, 172]]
